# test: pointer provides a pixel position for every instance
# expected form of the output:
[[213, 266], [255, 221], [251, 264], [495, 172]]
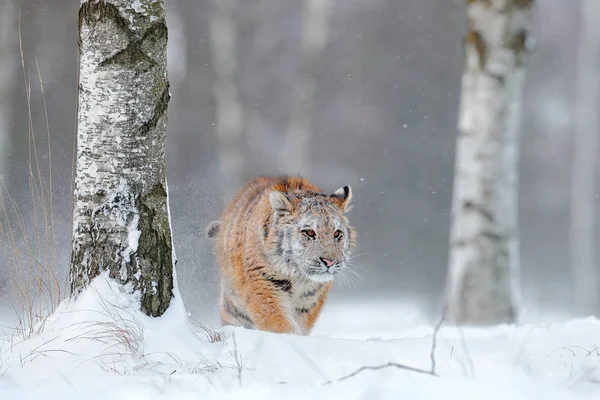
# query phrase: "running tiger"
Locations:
[[279, 244]]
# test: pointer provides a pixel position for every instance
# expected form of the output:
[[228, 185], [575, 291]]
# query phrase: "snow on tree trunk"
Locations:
[[584, 198], [121, 215], [484, 251], [228, 107], [9, 63], [314, 39]]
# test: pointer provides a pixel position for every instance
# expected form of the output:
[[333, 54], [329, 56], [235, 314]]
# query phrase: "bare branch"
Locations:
[[430, 372], [383, 366]]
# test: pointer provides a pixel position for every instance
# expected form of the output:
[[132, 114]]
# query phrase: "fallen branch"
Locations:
[[430, 372]]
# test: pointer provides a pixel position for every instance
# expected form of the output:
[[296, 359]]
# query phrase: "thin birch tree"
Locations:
[[584, 197], [121, 220], [228, 106], [482, 285], [315, 32]]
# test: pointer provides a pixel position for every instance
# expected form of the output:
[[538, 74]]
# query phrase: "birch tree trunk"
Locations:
[[484, 250], [228, 107], [121, 217], [584, 198], [9, 63], [314, 39]]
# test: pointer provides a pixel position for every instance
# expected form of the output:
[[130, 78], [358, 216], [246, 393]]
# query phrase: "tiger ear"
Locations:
[[280, 204], [343, 198]]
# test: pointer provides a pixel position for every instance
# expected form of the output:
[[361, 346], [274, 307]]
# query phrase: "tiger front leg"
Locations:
[[270, 313], [310, 318]]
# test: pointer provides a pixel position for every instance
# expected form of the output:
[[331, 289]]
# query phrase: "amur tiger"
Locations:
[[279, 244]]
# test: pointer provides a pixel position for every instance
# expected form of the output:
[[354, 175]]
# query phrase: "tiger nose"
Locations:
[[328, 263]]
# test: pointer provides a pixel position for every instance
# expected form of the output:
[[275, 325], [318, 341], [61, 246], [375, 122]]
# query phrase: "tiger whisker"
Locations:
[[356, 266], [352, 275], [352, 272], [361, 254], [350, 282]]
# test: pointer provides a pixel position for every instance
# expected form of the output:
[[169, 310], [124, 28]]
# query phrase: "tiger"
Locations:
[[279, 244]]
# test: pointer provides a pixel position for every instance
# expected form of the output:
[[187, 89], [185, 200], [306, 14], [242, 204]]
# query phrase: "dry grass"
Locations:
[[123, 336], [123, 332], [173, 364], [27, 239], [120, 336], [212, 334]]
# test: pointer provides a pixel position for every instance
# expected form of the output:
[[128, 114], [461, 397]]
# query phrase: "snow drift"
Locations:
[[101, 347]]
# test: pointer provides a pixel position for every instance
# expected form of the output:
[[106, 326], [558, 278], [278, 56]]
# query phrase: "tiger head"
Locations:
[[310, 234]]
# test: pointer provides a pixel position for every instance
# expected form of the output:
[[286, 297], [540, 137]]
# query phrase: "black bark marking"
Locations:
[[130, 55], [459, 243], [94, 12], [159, 111], [524, 4], [519, 45], [469, 205], [154, 254], [475, 39], [493, 236]]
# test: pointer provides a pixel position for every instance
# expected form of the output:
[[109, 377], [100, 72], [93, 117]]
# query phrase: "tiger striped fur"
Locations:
[[279, 243]]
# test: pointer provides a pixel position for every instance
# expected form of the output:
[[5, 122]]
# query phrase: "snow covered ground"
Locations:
[[101, 348]]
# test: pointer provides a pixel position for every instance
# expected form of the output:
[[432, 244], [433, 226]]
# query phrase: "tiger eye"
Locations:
[[338, 234], [310, 233]]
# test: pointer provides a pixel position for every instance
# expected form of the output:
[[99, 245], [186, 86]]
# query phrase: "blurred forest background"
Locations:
[[386, 96]]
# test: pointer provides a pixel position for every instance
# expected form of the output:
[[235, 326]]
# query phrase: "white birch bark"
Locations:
[[484, 251], [584, 198], [121, 217], [228, 106], [315, 34], [9, 63]]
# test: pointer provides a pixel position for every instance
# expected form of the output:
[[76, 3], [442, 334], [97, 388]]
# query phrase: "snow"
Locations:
[[137, 6], [101, 347]]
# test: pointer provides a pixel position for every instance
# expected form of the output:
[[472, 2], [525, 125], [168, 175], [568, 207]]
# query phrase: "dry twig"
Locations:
[[431, 371]]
